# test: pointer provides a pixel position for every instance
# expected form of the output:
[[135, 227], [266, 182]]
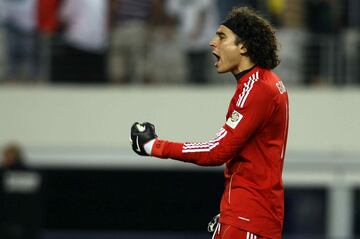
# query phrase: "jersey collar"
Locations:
[[241, 74]]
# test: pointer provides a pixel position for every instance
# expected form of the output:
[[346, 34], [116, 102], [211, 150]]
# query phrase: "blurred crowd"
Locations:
[[166, 41]]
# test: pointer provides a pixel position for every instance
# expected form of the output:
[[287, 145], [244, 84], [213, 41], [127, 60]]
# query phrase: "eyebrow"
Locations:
[[220, 34]]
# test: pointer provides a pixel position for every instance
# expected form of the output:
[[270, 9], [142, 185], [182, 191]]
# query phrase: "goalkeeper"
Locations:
[[252, 141]]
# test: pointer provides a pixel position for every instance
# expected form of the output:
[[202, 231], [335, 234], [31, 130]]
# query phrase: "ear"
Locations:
[[242, 48]]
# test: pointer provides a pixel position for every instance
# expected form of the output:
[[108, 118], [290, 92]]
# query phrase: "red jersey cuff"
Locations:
[[166, 149]]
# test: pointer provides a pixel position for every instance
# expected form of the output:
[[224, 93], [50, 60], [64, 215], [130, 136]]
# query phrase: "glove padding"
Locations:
[[140, 135]]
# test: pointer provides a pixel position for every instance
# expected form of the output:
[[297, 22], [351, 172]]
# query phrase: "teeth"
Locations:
[[217, 59]]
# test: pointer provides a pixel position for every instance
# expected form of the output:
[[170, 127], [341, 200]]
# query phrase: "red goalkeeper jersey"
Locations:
[[252, 143]]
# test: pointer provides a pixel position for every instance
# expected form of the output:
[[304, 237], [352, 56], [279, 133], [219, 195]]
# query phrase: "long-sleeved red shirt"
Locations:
[[252, 143]]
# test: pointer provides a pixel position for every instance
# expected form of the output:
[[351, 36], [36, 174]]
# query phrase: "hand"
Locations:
[[142, 138], [213, 223]]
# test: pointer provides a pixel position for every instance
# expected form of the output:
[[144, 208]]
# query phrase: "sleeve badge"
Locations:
[[234, 120]]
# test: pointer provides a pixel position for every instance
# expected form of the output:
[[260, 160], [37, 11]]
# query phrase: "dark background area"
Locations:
[[100, 200], [131, 200]]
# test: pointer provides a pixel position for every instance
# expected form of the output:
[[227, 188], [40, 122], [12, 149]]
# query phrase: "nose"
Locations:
[[212, 43]]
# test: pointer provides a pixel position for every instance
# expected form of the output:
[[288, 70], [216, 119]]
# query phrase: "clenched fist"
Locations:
[[142, 138]]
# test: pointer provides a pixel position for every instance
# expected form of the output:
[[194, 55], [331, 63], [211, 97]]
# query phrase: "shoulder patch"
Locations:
[[234, 119]]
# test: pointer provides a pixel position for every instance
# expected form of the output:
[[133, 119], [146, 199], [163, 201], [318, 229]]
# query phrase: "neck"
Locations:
[[244, 65], [241, 74]]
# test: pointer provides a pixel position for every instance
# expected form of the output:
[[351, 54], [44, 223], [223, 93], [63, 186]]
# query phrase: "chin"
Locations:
[[220, 71]]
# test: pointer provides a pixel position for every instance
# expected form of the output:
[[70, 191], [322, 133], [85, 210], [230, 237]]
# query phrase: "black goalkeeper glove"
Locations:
[[142, 137], [213, 223]]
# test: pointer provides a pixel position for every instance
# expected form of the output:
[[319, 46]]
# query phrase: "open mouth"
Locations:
[[217, 57]]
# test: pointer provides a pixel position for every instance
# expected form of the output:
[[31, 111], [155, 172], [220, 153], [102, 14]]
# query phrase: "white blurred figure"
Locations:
[[18, 20], [85, 33], [86, 23], [198, 21]]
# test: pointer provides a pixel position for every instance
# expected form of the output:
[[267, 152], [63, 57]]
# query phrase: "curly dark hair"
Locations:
[[256, 34]]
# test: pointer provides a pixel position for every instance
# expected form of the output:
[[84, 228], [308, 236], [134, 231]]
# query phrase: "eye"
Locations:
[[221, 35]]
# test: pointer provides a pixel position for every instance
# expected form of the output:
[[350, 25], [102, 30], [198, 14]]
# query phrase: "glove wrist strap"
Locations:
[[148, 146]]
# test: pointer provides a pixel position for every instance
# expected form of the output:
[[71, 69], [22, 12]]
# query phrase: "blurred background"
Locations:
[[75, 75]]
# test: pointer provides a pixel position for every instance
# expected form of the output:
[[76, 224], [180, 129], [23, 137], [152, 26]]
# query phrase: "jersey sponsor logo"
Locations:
[[281, 87], [234, 120], [247, 88]]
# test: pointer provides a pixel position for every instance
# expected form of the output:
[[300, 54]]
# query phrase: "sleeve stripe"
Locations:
[[218, 135], [247, 88], [221, 136], [205, 146], [200, 150], [220, 132], [247, 93]]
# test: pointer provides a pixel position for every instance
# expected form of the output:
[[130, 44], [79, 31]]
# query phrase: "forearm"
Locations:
[[178, 151]]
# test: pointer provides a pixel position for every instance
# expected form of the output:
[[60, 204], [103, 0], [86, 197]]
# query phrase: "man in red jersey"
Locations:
[[252, 141]]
